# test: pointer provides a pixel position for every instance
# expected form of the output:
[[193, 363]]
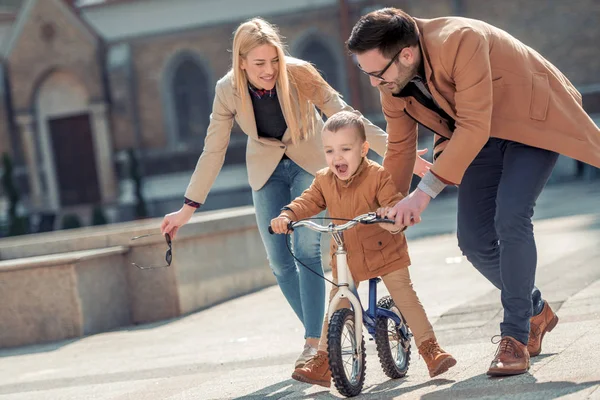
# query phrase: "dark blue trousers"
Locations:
[[496, 199]]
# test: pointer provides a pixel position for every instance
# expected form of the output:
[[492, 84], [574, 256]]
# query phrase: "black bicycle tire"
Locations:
[[336, 363], [383, 344]]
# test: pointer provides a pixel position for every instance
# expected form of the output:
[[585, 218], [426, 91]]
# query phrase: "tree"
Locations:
[[98, 217], [16, 225], [71, 221], [141, 210]]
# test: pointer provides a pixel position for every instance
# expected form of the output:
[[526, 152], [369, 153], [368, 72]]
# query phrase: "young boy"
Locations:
[[350, 186]]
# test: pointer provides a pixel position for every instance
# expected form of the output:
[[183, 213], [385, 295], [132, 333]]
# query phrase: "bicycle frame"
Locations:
[[346, 286], [347, 290], [374, 311]]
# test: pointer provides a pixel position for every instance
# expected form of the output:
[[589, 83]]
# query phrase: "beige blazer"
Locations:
[[263, 154], [493, 86]]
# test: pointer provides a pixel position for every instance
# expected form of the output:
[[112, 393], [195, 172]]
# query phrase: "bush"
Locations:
[[98, 217], [16, 225], [19, 226], [71, 221]]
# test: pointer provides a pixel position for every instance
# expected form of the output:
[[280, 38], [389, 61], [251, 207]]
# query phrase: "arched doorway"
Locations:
[[66, 142]]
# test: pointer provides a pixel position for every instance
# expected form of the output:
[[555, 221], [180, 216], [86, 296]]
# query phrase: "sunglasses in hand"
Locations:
[[168, 255]]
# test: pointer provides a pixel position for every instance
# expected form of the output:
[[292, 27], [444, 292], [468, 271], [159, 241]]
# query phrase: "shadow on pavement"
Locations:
[[95, 378], [536, 359], [397, 387], [385, 390], [36, 348], [53, 346], [515, 387], [283, 389], [480, 386]]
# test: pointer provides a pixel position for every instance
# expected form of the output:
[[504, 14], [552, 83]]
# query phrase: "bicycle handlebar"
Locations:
[[369, 218]]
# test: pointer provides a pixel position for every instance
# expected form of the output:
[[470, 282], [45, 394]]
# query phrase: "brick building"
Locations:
[[84, 81]]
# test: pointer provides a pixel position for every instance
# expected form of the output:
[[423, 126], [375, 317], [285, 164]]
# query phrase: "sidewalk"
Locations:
[[245, 348]]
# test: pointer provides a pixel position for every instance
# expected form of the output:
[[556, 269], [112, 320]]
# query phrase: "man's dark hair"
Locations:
[[388, 29]]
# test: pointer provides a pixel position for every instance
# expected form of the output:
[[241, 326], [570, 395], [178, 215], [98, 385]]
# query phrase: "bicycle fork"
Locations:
[[346, 289]]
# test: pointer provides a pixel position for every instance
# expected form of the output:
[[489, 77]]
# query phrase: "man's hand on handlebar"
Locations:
[[280, 224], [381, 213]]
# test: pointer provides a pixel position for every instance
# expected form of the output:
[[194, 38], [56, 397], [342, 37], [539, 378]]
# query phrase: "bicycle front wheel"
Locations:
[[346, 362]]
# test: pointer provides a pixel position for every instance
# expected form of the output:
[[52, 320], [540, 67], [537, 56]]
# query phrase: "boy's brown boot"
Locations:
[[315, 371], [437, 360]]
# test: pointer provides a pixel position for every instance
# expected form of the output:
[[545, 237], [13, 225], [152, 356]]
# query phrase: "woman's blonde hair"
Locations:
[[294, 76]]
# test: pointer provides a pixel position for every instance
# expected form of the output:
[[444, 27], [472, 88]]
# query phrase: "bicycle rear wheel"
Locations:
[[393, 341], [347, 364]]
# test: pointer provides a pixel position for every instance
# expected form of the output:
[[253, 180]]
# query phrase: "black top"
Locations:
[[426, 99], [270, 121], [417, 88]]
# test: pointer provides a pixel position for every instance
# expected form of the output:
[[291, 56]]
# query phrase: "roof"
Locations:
[[100, 3]]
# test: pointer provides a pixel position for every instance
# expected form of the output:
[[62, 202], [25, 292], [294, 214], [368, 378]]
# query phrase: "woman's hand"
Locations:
[[280, 224], [421, 165], [175, 220]]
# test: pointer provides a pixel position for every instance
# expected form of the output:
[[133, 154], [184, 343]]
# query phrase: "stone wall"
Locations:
[[79, 282]]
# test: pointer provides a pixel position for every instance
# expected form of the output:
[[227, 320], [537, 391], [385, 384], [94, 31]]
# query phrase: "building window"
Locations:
[[320, 55], [191, 102]]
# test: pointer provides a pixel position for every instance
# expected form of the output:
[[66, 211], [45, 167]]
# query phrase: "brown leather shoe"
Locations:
[[437, 360], [539, 325], [512, 358], [316, 371]]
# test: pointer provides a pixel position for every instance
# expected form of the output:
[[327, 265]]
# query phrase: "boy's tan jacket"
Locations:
[[263, 154], [492, 85], [372, 251]]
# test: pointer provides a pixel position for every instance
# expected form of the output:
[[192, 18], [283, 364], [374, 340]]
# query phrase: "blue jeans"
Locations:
[[495, 205], [303, 290]]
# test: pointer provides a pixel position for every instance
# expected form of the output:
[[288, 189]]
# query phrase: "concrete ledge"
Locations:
[[82, 281], [78, 282], [39, 305], [103, 291], [216, 256], [58, 259], [98, 237], [62, 296]]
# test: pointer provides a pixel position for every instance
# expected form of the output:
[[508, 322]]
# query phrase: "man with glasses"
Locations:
[[500, 113]]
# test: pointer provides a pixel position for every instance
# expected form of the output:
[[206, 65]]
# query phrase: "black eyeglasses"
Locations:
[[384, 70], [168, 255]]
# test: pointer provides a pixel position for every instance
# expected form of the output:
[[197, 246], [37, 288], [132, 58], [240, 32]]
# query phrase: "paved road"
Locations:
[[245, 348]]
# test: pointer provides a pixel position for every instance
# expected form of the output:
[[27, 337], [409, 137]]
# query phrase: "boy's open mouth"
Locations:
[[341, 168]]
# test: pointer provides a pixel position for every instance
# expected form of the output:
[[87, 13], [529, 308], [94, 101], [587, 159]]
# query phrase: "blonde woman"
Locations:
[[273, 97]]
